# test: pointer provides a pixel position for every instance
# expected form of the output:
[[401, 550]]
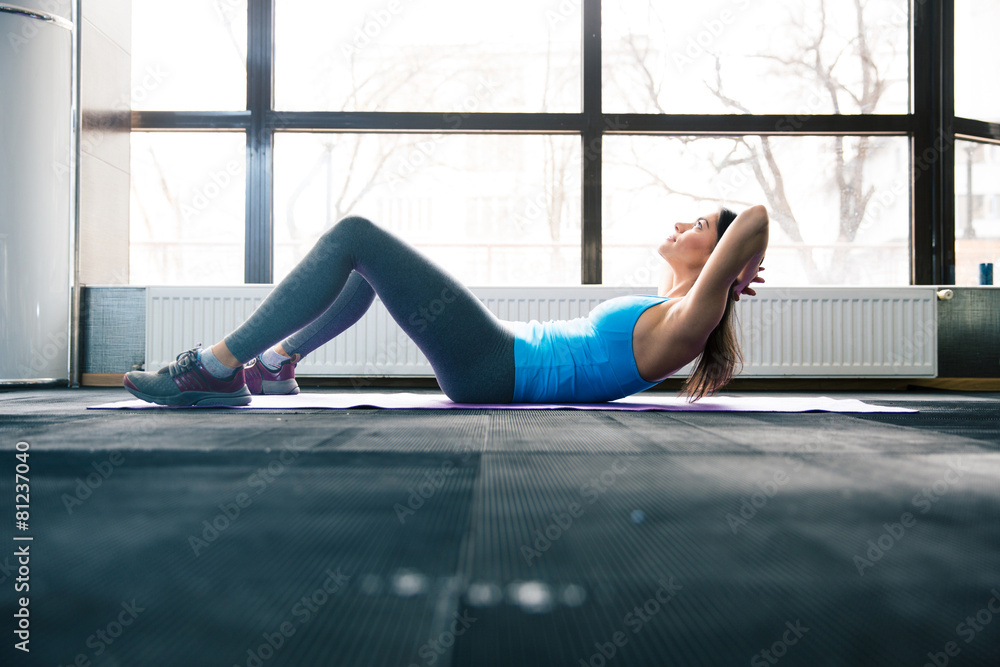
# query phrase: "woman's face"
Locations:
[[692, 242]]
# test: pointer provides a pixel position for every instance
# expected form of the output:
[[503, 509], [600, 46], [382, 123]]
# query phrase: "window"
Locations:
[[760, 57], [976, 23], [431, 55], [977, 163], [487, 207], [840, 217], [189, 55], [186, 225], [544, 141], [977, 210]]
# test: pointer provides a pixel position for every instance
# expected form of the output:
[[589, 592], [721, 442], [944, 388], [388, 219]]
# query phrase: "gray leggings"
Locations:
[[468, 347]]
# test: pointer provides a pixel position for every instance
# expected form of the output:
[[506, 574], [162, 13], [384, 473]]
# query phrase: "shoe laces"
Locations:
[[185, 361]]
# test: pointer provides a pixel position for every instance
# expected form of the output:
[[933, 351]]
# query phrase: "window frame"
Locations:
[[931, 127]]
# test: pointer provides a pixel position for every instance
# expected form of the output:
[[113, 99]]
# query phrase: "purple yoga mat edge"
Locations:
[[405, 400]]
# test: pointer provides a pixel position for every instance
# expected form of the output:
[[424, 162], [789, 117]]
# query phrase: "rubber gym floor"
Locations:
[[502, 537]]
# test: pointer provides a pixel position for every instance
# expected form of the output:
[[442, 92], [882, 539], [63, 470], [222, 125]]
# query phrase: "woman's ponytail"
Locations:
[[717, 363]]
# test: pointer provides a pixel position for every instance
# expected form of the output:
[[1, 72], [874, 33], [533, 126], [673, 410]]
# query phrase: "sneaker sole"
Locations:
[[199, 398], [279, 387]]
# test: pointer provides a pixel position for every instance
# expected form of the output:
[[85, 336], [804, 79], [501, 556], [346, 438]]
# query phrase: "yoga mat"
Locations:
[[438, 401]]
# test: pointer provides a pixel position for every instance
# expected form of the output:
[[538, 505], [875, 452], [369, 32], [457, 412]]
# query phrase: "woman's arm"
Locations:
[[733, 264], [749, 274]]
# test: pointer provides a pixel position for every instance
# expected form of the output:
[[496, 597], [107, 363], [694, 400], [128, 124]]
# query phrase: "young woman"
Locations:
[[625, 345]]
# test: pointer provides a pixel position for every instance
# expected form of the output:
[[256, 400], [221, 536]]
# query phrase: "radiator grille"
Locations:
[[808, 332]]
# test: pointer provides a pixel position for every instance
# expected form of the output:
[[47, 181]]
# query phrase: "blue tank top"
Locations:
[[585, 360]]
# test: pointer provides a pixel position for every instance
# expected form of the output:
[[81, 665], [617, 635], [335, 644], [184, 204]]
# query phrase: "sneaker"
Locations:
[[185, 381], [262, 380]]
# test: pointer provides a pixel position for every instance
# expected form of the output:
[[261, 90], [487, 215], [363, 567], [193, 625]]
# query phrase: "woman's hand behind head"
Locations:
[[747, 276]]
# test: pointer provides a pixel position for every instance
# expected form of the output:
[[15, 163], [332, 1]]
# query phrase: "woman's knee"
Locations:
[[353, 226]]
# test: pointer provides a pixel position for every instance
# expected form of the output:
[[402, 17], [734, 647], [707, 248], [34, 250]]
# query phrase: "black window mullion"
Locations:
[[426, 121], [591, 263], [759, 124], [946, 251], [194, 121], [259, 261], [933, 158], [977, 130]]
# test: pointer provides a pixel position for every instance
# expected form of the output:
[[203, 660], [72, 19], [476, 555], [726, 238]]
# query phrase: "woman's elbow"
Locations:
[[759, 215], [758, 223]]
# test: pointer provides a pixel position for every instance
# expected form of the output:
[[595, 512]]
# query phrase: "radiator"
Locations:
[[805, 332]]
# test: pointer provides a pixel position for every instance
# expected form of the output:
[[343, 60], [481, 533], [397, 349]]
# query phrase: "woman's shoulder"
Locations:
[[626, 300], [626, 305]]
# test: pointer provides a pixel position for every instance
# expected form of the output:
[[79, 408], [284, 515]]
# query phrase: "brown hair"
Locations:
[[717, 362]]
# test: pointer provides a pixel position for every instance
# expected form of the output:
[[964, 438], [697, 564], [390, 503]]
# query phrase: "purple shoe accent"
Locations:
[[193, 384], [262, 380]]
